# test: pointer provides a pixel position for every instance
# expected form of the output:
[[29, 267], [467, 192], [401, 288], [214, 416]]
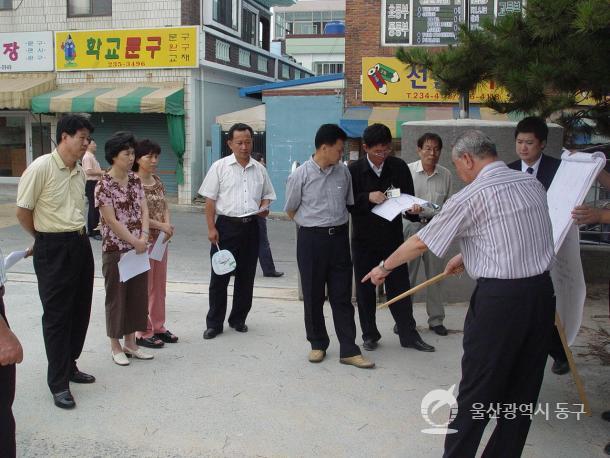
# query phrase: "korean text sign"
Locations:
[[387, 79], [168, 47], [26, 52]]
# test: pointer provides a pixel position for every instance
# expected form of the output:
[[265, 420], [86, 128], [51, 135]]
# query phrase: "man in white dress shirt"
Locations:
[[234, 186]]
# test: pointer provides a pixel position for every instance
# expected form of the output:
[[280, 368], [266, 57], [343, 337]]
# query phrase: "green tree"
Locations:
[[551, 58]]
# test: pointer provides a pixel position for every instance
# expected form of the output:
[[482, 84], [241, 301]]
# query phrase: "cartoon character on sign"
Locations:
[[69, 49], [380, 75]]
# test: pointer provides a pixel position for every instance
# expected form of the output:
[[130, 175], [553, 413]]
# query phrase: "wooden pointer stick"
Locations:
[[575, 375], [413, 290]]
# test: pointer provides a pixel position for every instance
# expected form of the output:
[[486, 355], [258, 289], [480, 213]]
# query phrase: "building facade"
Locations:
[[162, 69]]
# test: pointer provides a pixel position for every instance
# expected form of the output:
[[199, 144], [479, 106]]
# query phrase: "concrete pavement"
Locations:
[[255, 394]]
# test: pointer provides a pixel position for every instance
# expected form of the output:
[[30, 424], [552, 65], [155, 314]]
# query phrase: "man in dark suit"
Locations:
[[374, 238], [530, 139]]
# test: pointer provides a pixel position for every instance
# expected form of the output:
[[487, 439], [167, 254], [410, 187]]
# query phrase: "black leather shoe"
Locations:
[[439, 329], [80, 377], [369, 345], [64, 400], [607, 449], [210, 333], [240, 327], [560, 367], [606, 415], [275, 273], [418, 345], [149, 342]]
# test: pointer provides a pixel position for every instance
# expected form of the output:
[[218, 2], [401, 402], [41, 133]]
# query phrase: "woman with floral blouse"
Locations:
[[147, 159], [120, 198]]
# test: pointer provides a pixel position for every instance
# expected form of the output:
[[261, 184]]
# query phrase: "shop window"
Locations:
[[6, 4], [225, 13], [12, 146]]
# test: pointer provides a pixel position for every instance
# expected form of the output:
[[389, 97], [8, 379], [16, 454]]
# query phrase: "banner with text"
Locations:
[[168, 47], [26, 52], [387, 79]]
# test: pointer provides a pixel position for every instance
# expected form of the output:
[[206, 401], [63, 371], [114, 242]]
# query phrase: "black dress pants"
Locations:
[[366, 256], [93, 214], [265, 258], [556, 350], [7, 395], [505, 353], [241, 239], [324, 261], [64, 267]]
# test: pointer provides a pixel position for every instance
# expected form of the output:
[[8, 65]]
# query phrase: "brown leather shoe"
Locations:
[[359, 361], [316, 356]]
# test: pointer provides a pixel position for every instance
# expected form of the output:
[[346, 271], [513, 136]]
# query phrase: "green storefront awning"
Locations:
[[125, 99]]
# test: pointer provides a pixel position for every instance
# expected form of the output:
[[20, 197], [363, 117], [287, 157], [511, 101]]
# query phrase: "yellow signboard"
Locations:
[[168, 47], [387, 79]]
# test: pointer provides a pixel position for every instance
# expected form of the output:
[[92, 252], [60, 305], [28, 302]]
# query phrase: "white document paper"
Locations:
[[391, 208], [256, 212], [13, 258], [569, 284], [159, 248], [132, 264], [573, 179]]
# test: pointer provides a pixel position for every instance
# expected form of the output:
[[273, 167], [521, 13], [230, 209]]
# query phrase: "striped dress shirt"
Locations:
[[502, 223]]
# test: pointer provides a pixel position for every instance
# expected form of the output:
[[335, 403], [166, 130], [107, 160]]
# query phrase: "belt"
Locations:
[[508, 281], [236, 219], [330, 230], [61, 235]]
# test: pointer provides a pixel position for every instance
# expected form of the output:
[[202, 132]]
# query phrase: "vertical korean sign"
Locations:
[[396, 22], [436, 22], [26, 52], [168, 47]]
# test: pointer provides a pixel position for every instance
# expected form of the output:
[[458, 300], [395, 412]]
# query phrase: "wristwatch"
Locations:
[[383, 268]]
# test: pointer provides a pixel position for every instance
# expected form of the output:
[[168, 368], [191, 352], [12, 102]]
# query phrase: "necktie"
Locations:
[[530, 170]]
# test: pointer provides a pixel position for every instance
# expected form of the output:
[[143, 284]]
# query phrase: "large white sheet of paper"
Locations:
[[569, 284], [132, 264], [391, 208], [573, 179], [13, 258], [158, 249]]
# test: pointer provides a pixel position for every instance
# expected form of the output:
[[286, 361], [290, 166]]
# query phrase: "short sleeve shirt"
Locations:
[[157, 205], [126, 201], [319, 197], [90, 162], [54, 193]]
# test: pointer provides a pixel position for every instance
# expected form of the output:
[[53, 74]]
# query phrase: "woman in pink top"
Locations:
[[120, 198], [147, 158]]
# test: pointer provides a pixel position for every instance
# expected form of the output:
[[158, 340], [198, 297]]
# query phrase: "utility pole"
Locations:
[[465, 96]]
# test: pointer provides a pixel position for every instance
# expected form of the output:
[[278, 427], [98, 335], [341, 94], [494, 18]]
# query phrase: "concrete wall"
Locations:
[[501, 132], [292, 122]]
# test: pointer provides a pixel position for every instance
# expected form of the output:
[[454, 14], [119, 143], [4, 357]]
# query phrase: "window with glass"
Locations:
[[304, 22], [78, 8], [249, 23], [6, 4], [326, 68], [225, 13]]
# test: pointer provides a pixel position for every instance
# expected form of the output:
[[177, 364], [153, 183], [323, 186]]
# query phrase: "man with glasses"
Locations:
[[432, 183], [374, 238], [51, 208]]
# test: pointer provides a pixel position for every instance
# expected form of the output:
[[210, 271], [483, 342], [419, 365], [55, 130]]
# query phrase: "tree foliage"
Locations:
[[550, 59]]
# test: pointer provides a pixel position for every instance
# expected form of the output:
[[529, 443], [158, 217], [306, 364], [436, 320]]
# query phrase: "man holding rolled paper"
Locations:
[[375, 176], [502, 223]]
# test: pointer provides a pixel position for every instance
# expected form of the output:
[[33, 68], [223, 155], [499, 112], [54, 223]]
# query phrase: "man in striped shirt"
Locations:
[[502, 224]]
